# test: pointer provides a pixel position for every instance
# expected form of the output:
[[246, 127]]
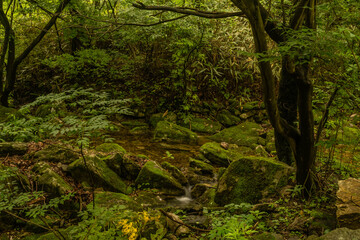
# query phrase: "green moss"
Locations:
[[102, 174], [203, 125], [174, 133], [12, 148], [250, 179], [55, 153], [110, 199], [227, 119], [154, 176], [175, 172], [5, 112], [52, 182], [110, 147], [245, 134], [216, 154], [201, 167]]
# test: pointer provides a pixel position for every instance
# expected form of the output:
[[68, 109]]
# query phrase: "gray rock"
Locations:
[[348, 208], [341, 234]]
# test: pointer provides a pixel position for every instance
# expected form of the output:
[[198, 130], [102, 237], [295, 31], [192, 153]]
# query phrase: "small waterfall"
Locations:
[[185, 199]]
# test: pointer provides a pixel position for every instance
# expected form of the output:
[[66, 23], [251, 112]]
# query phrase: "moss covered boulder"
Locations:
[[245, 134], [55, 153], [123, 166], [227, 119], [12, 148], [152, 175], [174, 133], [250, 179], [220, 156], [50, 181], [202, 125], [175, 172], [201, 167], [110, 148], [101, 174]]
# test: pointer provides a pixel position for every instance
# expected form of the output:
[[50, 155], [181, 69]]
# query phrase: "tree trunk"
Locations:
[[287, 104]]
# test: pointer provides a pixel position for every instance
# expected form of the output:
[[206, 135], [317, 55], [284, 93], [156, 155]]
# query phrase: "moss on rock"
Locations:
[[55, 153], [250, 179], [5, 112], [226, 118], [202, 125], [174, 133], [175, 172], [217, 155], [152, 175], [110, 147], [245, 134], [12, 148], [49, 180], [201, 167], [102, 175], [123, 166]]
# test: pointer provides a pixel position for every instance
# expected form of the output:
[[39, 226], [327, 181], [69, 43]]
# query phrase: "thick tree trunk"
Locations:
[[287, 104]]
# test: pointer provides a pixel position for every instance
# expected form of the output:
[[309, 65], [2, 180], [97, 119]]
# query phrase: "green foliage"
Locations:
[[77, 115], [235, 222]]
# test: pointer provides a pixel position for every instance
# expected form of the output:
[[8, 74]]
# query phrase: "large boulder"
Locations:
[[152, 175], [202, 125], [54, 153], [50, 181], [250, 179], [348, 208], [244, 134], [218, 155], [174, 133], [341, 234], [12, 148], [123, 166], [96, 172]]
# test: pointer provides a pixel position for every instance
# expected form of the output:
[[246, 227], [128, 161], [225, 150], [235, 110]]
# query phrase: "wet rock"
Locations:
[[245, 134], [202, 125], [175, 172], [201, 167], [341, 234], [97, 171], [12, 148], [226, 118], [110, 148], [174, 133], [217, 155], [250, 179], [49, 181], [123, 166], [54, 153], [152, 175], [348, 208]]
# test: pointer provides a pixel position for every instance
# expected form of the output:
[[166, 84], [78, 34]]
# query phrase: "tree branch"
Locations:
[[189, 11], [51, 22]]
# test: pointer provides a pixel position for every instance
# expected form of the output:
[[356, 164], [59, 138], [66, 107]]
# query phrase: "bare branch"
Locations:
[[189, 11]]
